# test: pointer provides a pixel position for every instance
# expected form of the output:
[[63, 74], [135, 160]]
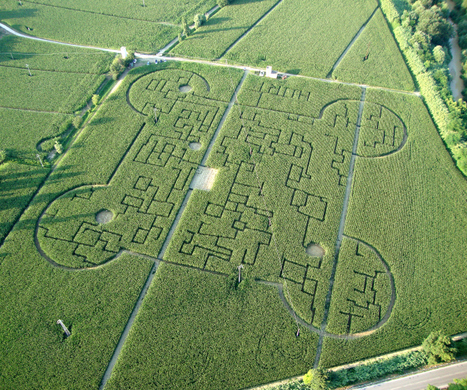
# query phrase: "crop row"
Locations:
[[407, 205]]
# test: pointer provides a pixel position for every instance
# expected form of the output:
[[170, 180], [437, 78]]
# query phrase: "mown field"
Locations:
[[214, 37], [109, 24], [375, 59], [320, 32]]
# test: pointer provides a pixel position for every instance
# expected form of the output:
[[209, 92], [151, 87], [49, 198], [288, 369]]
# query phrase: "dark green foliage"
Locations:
[[223, 3], [377, 369], [316, 379], [199, 20], [438, 348], [185, 27]]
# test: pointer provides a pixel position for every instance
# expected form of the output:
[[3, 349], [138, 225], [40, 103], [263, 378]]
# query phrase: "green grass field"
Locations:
[[320, 32]]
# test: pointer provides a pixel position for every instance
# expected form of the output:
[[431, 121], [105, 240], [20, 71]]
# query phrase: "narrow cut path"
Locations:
[[160, 257], [340, 234]]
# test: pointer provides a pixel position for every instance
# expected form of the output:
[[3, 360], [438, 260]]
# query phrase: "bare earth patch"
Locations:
[[104, 216], [204, 179], [194, 145], [315, 250], [184, 88]]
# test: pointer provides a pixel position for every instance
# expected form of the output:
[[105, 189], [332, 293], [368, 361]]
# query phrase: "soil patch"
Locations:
[[104, 216], [194, 145], [204, 179], [315, 250], [184, 88]]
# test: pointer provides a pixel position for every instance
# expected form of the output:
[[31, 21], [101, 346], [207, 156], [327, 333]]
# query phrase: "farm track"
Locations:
[[341, 57], [159, 56], [101, 13], [31, 110]]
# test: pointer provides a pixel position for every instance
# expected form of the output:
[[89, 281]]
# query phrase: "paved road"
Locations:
[[437, 377]]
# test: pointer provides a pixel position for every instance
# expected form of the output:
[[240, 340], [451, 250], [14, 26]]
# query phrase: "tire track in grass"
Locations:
[[351, 44], [160, 257], [340, 234]]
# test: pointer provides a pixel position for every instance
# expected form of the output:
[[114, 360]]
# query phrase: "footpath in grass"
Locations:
[[407, 205], [109, 24], [375, 59], [303, 37]]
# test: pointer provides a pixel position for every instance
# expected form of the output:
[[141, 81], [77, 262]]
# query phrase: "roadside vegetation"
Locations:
[[423, 32]]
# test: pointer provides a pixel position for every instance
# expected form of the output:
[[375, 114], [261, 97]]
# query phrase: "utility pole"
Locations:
[[29, 70], [11, 54], [155, 114], [40, 160], [240, 272], [65, 329], [144, 5]]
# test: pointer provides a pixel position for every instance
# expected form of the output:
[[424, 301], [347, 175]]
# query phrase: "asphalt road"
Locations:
[[437, 377]]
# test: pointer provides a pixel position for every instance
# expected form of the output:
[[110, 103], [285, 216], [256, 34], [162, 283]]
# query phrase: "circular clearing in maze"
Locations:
[[184, 88], [315, 250], [194, 145], [104, 216]]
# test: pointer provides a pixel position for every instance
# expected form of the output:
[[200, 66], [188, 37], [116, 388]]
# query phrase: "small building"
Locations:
[[270, 73]]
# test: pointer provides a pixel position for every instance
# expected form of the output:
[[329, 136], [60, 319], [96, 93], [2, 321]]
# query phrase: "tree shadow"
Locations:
[[21, 12], [217, 20], [293, 71]]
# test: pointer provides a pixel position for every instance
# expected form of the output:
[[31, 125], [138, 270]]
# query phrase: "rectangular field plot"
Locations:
[[88, 27], [311, 35], [279, 188]]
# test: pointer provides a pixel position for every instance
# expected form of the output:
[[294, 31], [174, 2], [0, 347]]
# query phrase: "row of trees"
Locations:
[[436, 348], [429, 31]]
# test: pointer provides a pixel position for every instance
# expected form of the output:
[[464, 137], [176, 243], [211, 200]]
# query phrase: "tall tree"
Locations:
[[438, 348]]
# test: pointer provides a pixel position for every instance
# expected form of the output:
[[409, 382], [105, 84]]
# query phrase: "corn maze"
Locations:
[[278, 195]]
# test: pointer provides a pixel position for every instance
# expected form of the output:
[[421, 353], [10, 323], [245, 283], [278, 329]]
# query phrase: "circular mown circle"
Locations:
[[315, 250], [194, 145], [104, 216], [184, 88]]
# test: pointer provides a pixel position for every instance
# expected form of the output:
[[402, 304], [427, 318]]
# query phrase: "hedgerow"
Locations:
[[448, 115]]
